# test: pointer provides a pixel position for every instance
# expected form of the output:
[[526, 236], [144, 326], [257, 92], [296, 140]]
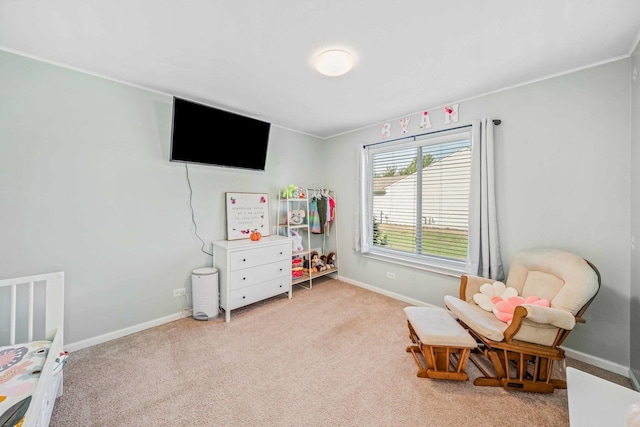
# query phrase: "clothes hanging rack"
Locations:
[[319, 192], [325, 243]]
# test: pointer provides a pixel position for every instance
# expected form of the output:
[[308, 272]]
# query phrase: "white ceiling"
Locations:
[[255, 57]]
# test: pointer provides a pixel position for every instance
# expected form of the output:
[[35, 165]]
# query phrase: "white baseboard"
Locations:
[[598, 362], [393, 295], [582, 357], [634, 380], [123, 332]]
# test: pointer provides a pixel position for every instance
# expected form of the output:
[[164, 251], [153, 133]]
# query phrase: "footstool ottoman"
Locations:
[[438, 336]]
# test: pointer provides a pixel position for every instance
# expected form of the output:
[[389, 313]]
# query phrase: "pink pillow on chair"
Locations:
[[504, 309], [490, 293]]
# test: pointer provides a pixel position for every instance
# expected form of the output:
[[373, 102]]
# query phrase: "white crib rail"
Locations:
[[54, 316]]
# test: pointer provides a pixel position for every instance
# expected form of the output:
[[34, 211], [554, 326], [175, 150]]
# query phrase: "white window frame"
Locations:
[[443, 265]]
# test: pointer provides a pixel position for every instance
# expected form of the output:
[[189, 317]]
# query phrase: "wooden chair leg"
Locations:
[[439, 362], [422, 370], [516, 371], [442, 362]]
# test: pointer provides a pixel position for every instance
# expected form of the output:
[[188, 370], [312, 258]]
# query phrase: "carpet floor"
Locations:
[[333, 355]]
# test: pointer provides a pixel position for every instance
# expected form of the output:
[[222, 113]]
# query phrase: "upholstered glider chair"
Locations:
[[518, 352]]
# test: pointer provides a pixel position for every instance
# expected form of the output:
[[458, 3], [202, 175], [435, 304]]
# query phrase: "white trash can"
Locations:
[[204, 291]]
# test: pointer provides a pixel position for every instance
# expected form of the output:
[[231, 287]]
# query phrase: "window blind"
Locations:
[[420, 196]]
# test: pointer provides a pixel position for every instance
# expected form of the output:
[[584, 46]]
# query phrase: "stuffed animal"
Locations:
[[331, 260], [293, 192], [296, 216], [296, 241], [313, 262], [288, 192], [321, 263]]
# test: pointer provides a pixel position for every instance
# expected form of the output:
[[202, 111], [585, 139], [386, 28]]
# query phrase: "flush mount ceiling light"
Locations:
[[334, 62]]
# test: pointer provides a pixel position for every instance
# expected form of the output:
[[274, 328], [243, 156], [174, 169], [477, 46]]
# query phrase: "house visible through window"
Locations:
[[416, 199]]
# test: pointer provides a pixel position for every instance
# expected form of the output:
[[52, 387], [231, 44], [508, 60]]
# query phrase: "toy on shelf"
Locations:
[[315, 263], [331, 260], [309, 264], [296, 216], [287, 192], [318, 263], [296, 241], [293, 192], [321, 265], [296, 267]]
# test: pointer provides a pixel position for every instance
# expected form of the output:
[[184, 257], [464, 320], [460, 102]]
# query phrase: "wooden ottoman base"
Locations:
[[442, 342]]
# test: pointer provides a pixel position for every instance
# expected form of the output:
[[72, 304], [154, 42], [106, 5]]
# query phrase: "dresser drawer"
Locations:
[[255, 293], [259, 256], [251, 276]]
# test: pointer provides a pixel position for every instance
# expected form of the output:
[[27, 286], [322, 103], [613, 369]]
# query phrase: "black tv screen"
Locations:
[[199, 134]]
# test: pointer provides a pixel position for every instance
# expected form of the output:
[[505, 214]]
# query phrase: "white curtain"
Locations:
[[361, 234], [483, 255]]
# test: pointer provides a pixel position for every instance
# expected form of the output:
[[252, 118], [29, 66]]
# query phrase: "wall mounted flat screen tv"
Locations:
[[199, 134]]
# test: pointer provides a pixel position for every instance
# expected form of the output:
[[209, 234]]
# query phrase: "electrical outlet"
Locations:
[[179, 292], [391, 275]]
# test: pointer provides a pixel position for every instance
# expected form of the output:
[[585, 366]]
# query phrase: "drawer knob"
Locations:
[[244, 278], [243, 296]]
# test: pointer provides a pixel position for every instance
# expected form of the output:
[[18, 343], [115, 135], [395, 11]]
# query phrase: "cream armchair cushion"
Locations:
[[476, 318], [564, 279]]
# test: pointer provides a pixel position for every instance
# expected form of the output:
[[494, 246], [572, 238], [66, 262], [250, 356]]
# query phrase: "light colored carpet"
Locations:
[[333, 355]]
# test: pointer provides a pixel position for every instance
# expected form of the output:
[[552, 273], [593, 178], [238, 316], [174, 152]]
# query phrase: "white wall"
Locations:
[[86, 187], [562, 171]]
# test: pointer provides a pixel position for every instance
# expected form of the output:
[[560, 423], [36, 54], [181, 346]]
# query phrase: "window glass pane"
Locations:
[[394, 208], [420, 198], [445, 203]]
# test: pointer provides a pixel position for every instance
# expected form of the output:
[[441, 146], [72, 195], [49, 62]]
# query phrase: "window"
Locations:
[[415, 194]]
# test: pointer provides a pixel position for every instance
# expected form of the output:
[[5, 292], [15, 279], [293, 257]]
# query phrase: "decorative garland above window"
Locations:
[[450, 116]]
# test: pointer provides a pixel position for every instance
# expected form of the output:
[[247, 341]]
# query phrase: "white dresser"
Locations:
[[251, 271]]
